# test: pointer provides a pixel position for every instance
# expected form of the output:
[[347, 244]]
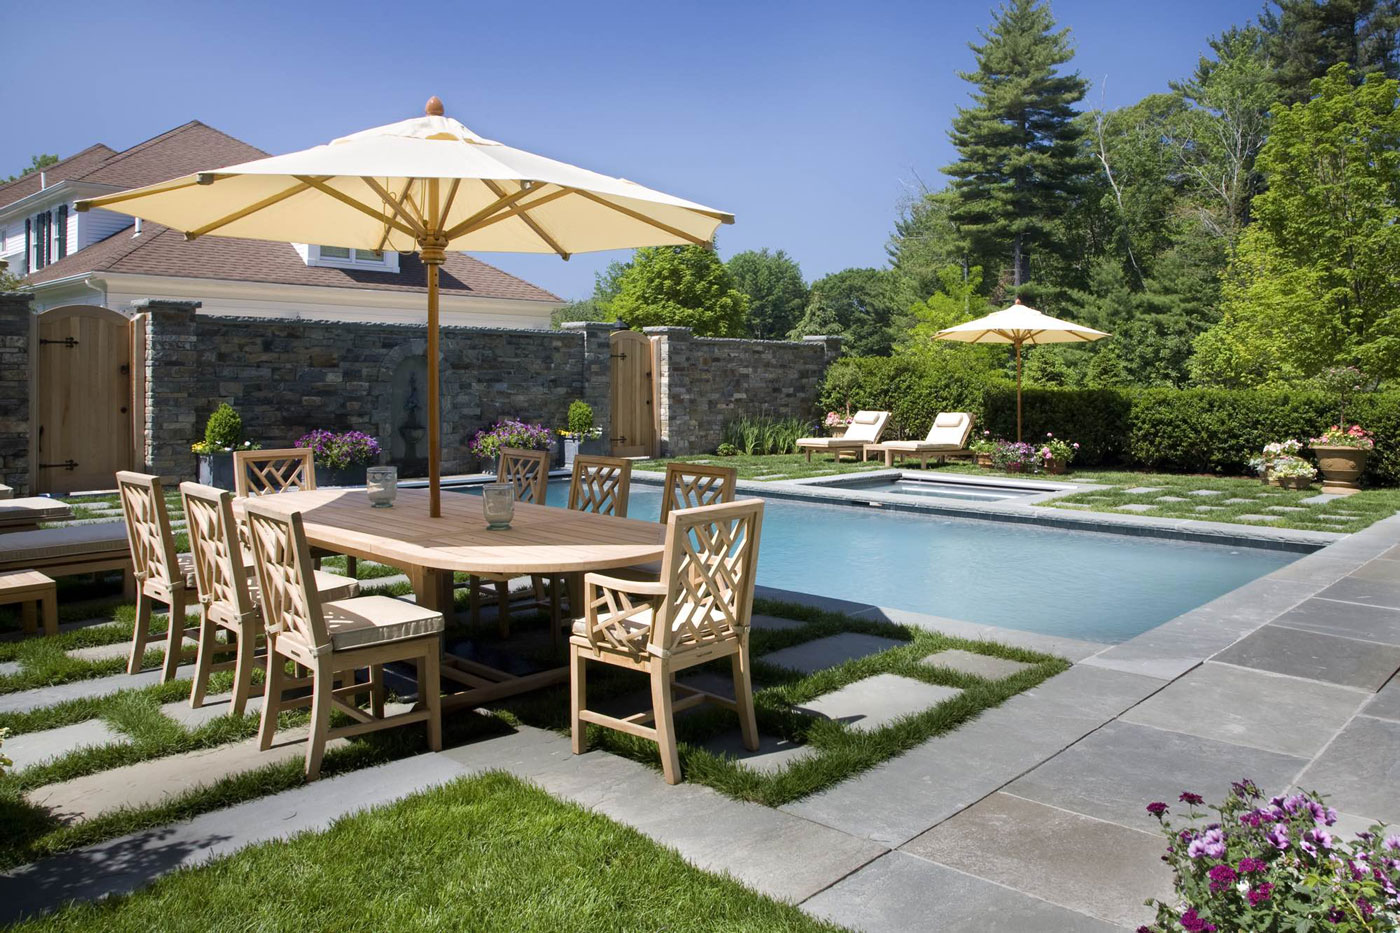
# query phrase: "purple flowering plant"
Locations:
[[1014, 455], [1273, 866], [508, 432], [340, 451]]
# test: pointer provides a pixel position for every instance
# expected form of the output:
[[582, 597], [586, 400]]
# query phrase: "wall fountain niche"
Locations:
[[408, 434]]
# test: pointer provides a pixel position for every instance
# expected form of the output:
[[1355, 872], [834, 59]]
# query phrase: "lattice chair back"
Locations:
[[689, 485], [263, 472], [219, 572], [709, 569], [148, 529], [285, 576], [601, 485], [527, 471]]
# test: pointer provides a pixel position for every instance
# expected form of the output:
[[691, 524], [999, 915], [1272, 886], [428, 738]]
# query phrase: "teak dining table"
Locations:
[[540, 540]]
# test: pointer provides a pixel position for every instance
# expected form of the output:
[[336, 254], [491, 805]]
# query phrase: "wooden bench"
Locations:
[[72, 549], [31, 589], [26, 514]]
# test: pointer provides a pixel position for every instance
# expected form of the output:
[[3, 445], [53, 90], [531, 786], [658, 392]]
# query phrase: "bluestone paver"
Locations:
[[1171, 499], [25, 700], [1118, 770], [9, 667], [213, 708], [1386, 703], [31, 748], [774, 623], [821, 653], [1143, 490], [1360, 771], [1205, 492], [773, 753], [1249, 707], [1136, 507], [1347, 661], [1101, 869], [1354, 589], [1254, 517], [1348, 620], [874, 702], [978, 665], [900, 893]]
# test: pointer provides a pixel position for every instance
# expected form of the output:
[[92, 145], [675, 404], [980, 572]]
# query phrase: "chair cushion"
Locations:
[[44, 544], [866, 426], [950, 429], [830, 442], [31, 510], [375, 620]]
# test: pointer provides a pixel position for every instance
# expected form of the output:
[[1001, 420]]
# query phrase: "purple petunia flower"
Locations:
[[1260, 893], [1278, 836], [1192, 922], [1193, 799], [1157, 808], [1391, 844], [1210, 844]]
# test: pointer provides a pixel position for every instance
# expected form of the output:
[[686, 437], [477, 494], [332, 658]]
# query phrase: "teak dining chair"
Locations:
[[688, 485], [527, 471], [698, 611], [336, 637], [161, 575], [229, 600], [288, 469]]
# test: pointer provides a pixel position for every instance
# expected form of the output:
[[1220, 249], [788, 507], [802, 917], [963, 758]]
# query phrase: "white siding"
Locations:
[[97, 225], [73, 227]]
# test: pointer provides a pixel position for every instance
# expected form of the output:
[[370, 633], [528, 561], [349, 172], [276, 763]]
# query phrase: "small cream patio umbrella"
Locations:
[[428, 185], [1016, 325]]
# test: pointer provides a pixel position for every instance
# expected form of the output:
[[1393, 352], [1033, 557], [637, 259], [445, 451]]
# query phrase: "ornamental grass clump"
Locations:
[[340, 451], [508, 432], [1275, 866]]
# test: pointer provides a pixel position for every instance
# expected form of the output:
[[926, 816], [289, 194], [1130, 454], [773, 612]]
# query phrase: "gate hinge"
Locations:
[[70, 465], [69, 342], [619, 356]]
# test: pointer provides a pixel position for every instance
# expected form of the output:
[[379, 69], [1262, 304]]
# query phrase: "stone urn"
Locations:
[[1341, 467]]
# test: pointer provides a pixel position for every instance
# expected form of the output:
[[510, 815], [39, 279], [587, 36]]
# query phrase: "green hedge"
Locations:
[[1174, 430]]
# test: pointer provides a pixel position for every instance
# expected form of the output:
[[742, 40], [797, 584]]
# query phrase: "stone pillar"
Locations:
[[15, 373], [672, 416], [172, 387], [831, 346], [597, 369]]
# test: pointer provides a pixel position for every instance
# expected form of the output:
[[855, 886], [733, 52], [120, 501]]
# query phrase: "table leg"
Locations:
[[573, 583], [432, 588]]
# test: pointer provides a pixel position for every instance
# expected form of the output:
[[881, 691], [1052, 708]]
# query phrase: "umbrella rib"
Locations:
[[345, 199], [84, 204], [245, 211], [395, 203], [467, 225], [538, 202], [637, 215], [451, 196], [519, 211]]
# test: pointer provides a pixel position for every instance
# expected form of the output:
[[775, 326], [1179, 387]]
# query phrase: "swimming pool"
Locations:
[[1086, 585], [938, 489]]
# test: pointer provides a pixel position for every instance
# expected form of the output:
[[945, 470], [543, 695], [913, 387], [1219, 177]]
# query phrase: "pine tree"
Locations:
[[1019, 145], [1307, 37]]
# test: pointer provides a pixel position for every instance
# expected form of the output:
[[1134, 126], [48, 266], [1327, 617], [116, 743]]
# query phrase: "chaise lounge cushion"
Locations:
[[865, 428], [45, 545], [32, 510], [949, 432], [375, 620]]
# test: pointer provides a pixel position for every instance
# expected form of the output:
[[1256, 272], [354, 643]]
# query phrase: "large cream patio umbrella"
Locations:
[[428, 185], [1016, 325]]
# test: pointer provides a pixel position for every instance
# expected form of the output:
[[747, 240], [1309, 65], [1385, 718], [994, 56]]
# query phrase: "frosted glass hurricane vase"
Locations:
[[498, 505], [382, 485]]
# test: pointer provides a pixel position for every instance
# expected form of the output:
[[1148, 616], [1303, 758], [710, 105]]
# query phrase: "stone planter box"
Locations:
[[215, 470], [350, 476], [1015, 468], [569, 447], [1341, 468], [838, 431]]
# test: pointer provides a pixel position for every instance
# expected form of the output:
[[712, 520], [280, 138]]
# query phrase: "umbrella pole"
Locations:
[[1018, 391], [432, 258]]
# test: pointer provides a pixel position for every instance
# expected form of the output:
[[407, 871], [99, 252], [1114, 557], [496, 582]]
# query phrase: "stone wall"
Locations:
[[15, 322], [288, 377], [705, 382]]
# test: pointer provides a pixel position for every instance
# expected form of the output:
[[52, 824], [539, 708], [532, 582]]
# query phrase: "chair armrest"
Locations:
[[620, 584]]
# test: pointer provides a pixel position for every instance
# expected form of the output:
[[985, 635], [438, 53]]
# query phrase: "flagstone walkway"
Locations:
[[1029, 818]]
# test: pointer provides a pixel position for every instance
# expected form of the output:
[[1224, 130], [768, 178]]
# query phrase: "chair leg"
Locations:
[[661, 706], [743, 698], [376, 690], [175, 640], [130, 590], [272, 695], [474, 598], [243, 669], [430, 691], [351, 566], [48, 606], [503, 607], [138, 633], [321, 687], [204, 660], [578, 697]]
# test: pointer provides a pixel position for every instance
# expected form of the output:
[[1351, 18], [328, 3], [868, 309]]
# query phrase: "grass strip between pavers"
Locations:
[[486, 853]]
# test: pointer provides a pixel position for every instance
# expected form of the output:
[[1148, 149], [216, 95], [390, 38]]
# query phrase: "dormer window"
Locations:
[[341, 257]]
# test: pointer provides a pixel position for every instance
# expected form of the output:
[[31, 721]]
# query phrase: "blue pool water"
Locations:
[[937, 490], [1092, 586]]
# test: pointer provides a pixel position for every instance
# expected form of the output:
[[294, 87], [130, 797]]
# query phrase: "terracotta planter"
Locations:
[[984, 461], [1293, 482], [1341, 468]]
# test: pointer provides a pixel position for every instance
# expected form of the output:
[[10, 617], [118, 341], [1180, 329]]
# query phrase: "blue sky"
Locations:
[[808, 121]]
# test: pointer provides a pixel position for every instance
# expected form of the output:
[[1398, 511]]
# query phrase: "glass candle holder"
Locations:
[[382, 485], [498, 505]]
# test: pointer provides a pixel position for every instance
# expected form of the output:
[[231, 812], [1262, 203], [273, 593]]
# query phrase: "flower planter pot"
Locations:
[[839, 431], [1341, 468], [985, 461], [1056, 467], [1015, 468], [216, 470], [349, 476], [1294, 482], [569, 448]]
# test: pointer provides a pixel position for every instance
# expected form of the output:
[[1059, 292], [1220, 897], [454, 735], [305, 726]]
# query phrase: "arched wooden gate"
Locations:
[[633, 415], [82, 398]]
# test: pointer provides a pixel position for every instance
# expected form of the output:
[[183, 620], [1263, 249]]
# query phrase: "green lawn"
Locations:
[[1348, 514], [486, 853]]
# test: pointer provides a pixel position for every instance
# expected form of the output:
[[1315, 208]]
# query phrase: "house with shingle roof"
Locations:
[[105, 259]]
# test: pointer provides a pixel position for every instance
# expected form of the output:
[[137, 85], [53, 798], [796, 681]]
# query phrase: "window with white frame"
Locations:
[[345, 258]]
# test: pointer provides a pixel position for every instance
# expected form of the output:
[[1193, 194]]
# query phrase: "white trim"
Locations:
[[311, 254]]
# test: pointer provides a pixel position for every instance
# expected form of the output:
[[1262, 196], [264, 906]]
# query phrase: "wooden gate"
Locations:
[[633, 425], [83, 398]]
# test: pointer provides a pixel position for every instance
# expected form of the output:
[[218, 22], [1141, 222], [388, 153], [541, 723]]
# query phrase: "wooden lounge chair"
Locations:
[[947, 438], [867, 427], [527, 471], [229, 600], [336, 637], [698, 611], [288, 469], [162, 576]]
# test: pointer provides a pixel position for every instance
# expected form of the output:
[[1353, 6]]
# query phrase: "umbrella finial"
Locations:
[[433, 107], [1018, 300]]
